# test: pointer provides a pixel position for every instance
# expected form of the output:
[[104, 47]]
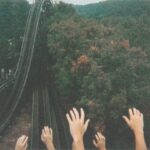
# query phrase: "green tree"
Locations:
[[97, 68], [12, 27]]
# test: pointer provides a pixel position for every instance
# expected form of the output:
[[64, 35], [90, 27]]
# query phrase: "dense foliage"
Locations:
[[13, 16], [130, 17], [103, 65]]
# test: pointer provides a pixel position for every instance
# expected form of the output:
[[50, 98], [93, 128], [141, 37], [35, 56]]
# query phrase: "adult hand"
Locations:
[[136, 124], [47, 138], [77, 123], [135, 120], [22, 143]]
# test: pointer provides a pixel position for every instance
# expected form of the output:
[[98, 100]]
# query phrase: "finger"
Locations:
[[138, 112], [130, 113], [134, 111], [25, 141], [76, 113], [19, 139], [86, 125], [43, 132], [26, 146], [100, 135], [47, 130], [97, 138], [68, 118], [82, 114], [42, 136], [72, 115], [51, 131], [126, 119], [142, 118], [22, 138], [94, 142]]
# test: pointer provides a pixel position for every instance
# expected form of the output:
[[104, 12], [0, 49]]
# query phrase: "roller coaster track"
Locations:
[[43, 106], [35, 120], [24, 67], [4, 84], [44, 110], [50, 115]]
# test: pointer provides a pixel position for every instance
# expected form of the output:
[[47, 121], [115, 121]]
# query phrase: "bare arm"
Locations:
[[78, 145], [47, 138], [78, 127], [136, 124], [140, 141]]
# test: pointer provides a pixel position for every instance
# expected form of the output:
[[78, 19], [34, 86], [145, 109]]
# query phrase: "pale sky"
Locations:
[[80, 2]]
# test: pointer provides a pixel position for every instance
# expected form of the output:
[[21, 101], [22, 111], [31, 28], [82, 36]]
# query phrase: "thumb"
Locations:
[[86, 124], [126, 120], [95, 144]]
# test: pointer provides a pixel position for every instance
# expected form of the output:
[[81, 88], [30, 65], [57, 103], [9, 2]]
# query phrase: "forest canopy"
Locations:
[[101, 61], [13, 16]]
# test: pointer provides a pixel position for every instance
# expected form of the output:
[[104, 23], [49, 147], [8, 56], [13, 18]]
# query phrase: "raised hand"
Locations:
[[136, 124], [47, 138], [22, 143], [135, 120], [78, 127], [100, 142]]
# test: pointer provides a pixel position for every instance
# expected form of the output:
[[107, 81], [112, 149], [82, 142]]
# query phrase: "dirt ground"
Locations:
[[19, 126]]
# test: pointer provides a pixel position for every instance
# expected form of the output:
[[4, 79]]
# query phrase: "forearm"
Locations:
[[78, 145], [50, 146], [140, 143], [102, 148]]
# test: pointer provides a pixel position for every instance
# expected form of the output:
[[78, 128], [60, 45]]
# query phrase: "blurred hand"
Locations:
[[47, 137], [22, 143], [99, 143], [136, 124], [77, 123], [135, 120]]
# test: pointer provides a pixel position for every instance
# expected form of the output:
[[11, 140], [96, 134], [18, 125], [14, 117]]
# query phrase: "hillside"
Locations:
[[114, 8], [129, 17]]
